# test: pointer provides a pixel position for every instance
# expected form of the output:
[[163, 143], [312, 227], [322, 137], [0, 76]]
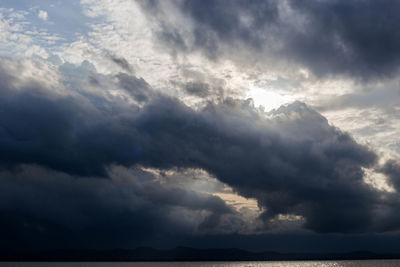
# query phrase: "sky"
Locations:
[[262, 125]]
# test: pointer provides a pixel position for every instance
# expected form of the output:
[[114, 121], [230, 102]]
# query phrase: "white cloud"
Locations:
[[42, 15]]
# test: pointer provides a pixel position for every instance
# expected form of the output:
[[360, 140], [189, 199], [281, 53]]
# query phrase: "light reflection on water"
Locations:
[[369, 263]]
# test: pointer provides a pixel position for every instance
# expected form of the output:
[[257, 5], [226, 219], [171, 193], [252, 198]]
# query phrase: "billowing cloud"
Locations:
[[45, 208], [326, 37], [290, 160], [136, 123]]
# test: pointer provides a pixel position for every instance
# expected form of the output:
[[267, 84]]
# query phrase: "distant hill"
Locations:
[[184, 254]]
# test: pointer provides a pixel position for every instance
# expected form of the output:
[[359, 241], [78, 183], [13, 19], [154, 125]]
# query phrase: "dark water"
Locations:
[[370, 263]]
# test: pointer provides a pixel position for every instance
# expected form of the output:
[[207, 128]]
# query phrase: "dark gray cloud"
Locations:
[[121, 62], [204, 87], [357, 38], [138, 88], [71, 165], [392, 169], [197, 89], [40, 206], [292, 163]]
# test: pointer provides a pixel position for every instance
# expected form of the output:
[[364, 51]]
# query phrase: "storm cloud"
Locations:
[[357, 38], [42, 208], [258, 124], [290, 160]]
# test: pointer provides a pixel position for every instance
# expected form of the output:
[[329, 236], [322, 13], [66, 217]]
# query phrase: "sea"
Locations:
[[350, 263]]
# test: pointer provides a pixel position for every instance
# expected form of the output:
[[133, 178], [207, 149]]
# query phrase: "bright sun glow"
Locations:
[[268, 99]]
